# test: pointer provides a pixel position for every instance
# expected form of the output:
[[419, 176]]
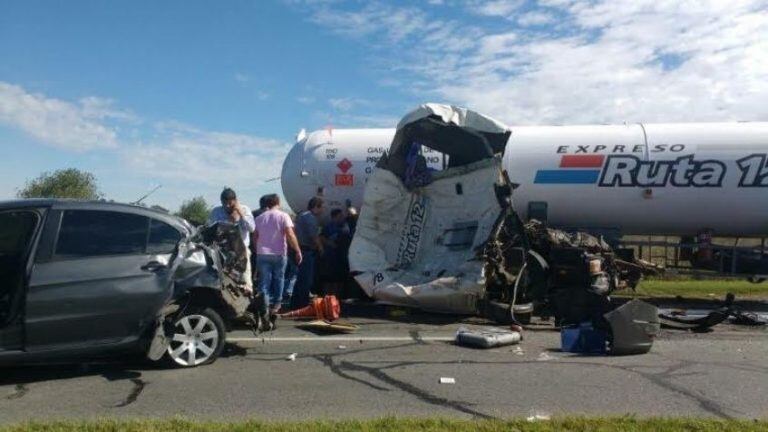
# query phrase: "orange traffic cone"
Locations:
[[330, 308], [327, 308], [308, 311]]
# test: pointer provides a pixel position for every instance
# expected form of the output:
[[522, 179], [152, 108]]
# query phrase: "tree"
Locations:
[[64, 183], [195, 211]]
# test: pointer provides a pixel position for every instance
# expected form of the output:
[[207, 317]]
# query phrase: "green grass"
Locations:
[[700, 288], [624, 424]]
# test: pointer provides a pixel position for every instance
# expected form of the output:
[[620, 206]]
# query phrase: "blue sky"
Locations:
[[195, 95]]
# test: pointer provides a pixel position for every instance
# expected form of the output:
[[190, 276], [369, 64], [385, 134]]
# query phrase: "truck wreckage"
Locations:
[[450, 241]]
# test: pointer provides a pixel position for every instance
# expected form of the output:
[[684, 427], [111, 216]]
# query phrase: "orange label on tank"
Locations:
[[345, 180]]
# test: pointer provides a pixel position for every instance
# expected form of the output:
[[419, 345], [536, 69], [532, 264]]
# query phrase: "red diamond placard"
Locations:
[[344, 165]]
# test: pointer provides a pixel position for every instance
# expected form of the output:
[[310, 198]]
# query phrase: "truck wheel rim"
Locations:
[[194, 340]]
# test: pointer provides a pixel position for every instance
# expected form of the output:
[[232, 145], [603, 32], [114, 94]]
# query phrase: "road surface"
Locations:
[[393, 367]]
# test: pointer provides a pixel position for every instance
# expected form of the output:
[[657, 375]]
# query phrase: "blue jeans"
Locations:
[[271, 277], [305, 279], [291, 274]]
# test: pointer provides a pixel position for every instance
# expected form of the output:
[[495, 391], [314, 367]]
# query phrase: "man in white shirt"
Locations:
[[233, 212]]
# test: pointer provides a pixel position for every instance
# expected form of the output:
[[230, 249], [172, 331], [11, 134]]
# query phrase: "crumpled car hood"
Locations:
[[215, 257]]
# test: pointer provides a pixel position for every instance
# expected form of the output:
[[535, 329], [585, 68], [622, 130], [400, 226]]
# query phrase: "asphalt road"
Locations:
[[394, 368]]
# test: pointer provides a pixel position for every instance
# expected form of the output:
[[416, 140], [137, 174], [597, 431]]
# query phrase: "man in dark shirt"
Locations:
[[308, 233]]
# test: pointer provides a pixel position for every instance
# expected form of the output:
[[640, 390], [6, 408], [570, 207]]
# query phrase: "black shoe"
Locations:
[[273, 321]]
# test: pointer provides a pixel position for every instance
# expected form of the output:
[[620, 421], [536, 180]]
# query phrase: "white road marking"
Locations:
[[341, 339]]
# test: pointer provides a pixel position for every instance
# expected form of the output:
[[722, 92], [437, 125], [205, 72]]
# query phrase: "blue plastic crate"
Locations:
[[583, 339]]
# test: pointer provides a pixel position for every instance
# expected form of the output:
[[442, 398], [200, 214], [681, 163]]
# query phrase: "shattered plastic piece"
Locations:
[[633, 327], [342, 347], [748, 319], [518, 351], [447, 380], [487, 338], [292, 357], [544, 357], [695, 322]]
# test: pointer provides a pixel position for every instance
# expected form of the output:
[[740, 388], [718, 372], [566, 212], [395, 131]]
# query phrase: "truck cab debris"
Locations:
[[450, 241]]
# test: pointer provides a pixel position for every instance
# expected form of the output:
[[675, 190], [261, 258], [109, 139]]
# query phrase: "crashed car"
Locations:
[[85, 279], [450, 241]]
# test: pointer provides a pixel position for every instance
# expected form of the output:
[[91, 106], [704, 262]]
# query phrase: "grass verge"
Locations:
[[701, 288], [575, 424]]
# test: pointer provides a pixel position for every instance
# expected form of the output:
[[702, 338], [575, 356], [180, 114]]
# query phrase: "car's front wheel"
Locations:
[[198, 337]]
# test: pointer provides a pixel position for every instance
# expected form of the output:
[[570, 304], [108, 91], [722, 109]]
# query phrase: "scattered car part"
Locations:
[[705, 319], [681, 320], [633, 326], [753, 319], [487, 338]]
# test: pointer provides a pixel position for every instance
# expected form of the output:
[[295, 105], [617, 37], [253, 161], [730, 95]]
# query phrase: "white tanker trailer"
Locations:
[[673, 179]]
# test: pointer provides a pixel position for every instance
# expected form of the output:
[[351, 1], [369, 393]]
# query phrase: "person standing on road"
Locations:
[[273, 233], [308, 234], [334, 235], [256, 213], [233, 212], [291, 275]]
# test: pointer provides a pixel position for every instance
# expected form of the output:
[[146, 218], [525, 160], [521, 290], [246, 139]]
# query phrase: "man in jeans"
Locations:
[[307, 232], [273, 233]]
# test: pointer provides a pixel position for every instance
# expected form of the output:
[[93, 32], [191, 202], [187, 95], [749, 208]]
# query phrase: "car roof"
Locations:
[[71, 204]]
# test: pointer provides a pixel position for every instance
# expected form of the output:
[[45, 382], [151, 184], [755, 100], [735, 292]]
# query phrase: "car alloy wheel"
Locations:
[[195, 339]]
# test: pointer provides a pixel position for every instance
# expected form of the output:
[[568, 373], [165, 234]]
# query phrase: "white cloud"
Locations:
[[387, 24], [86, 125], [601, 61], [180, 152], [535, 18], [347, 103], [502, 8], [170, 151], [241, 77]]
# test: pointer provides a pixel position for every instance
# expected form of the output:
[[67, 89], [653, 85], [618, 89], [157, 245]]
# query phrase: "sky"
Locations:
[[197, 95]]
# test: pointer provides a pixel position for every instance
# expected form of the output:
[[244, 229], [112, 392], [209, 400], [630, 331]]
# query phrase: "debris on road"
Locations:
[[583, 338], [292, 357], [518, 351], [341, 347], [633, 326], [487, 338], [544, 357], [702, 320], [447, 380], [329, 327]]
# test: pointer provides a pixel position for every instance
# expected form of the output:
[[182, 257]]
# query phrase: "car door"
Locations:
[[102, 283], [18, 230]]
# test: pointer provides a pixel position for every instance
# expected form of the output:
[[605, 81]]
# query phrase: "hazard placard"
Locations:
[[345, 180]]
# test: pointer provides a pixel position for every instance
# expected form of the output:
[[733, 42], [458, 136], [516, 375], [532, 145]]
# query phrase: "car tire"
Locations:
[[197, 339]]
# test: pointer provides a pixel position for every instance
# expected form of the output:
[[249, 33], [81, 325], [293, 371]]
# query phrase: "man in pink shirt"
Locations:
[[273, 234]]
